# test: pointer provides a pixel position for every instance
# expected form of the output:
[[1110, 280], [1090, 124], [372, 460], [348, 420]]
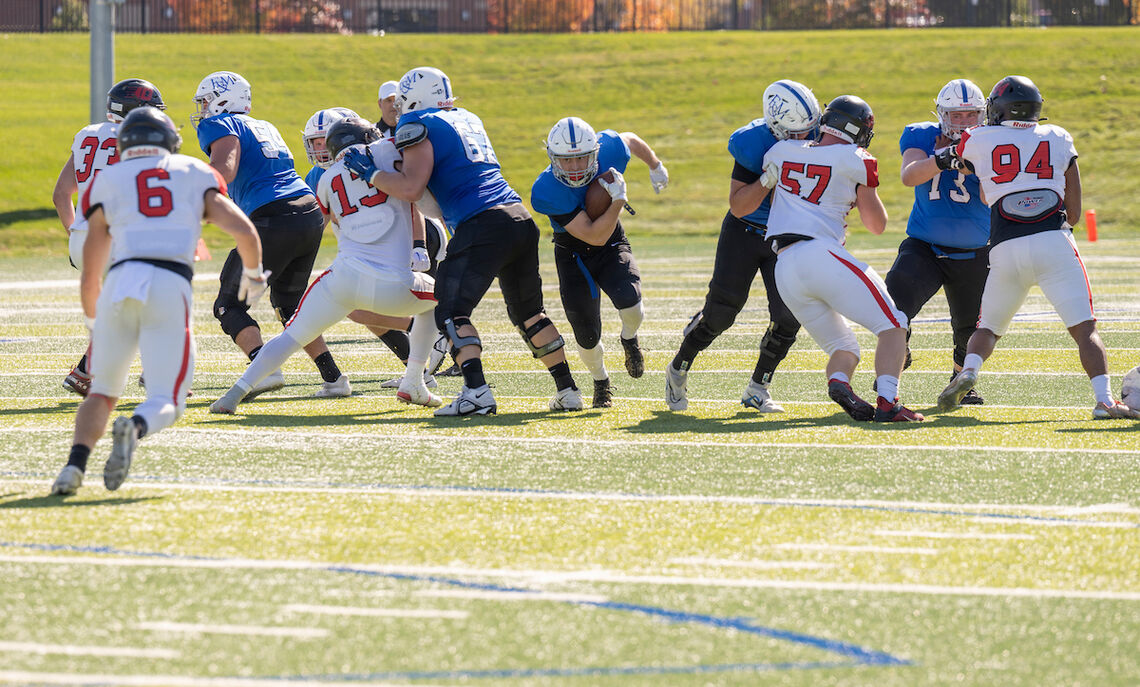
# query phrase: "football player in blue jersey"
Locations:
[[790, 111], [446, 151], [258, 167], [593, 255], [949, 226]]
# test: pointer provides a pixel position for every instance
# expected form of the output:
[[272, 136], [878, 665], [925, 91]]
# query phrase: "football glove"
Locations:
[[615, 188], [659, 177], [360, 163], [421, 262], [947, 159], [253, 284], [89, 322], [771, 175]]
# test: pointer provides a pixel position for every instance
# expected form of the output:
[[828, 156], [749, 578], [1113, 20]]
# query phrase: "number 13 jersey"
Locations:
[[816, 187]]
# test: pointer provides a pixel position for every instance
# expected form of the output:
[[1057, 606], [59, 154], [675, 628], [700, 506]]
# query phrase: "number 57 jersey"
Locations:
[[816, 187]]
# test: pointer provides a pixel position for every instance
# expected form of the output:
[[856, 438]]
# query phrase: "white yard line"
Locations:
[[921, 534], [514, 576], [751, 565], [359, 611], [102, 679], [241, 630], [101, 651], [838, 548]]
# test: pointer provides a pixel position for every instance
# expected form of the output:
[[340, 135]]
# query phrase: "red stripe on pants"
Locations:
[[870, 285], [185, 353], [304, 296]]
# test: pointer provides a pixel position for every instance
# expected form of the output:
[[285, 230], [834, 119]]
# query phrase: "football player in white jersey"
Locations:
[[92, 151], [816, 185], [372, 270], [145, 214], [1031, 181]]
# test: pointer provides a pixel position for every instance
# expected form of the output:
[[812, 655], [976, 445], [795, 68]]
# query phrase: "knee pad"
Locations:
[[233, 316], [451, 328], [778, 340], [530, 332], [846, 342], [587, 339], [720, 311]]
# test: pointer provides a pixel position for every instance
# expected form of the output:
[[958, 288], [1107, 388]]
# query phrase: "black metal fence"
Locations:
[[507, 16]]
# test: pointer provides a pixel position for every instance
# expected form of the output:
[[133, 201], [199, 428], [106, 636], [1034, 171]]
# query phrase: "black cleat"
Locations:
[[603, 393], [897, 413], [857, 408], [452, 371], [972, 397], [634, 357]]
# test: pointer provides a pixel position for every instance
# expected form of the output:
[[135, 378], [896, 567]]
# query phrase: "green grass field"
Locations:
[[355, 541]]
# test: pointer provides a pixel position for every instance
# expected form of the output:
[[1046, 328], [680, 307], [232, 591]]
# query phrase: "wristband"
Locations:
[[419, 243]]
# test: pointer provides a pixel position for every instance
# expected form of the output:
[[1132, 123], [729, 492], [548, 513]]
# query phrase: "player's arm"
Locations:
[[225, 215], [409, 182], [918, 167], [96, 250], [65, 188], [595, 231], [1073, 192], [871, 209], [225, 156]]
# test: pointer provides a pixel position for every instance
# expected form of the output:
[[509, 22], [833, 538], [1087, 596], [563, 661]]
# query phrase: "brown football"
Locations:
[[597, 198]]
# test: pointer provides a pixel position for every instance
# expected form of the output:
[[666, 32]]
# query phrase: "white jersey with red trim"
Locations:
[[817, 187], [374, 226], [1009, 159], [92, 151], [154, 205]]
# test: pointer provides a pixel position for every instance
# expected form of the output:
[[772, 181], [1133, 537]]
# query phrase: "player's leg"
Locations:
[[392, 332], [581, 301], [777, 341], [618, 276], [915, 276], [964, 281]]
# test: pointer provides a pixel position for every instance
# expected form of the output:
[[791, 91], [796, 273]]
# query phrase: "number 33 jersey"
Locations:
[[816, 187], [1009, 159], [154, 205]]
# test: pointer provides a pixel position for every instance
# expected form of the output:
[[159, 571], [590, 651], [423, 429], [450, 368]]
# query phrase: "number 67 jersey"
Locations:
[[816, 187]]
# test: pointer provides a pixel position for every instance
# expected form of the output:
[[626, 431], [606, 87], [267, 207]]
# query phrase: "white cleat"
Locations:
[[68, 482], [470, 402], [676, 388], [567, 399], [338, 389], [1117, 410], [419, 396], [124, 437], [228, 403], [396, 382], [951, 397], [273, 382], [757, 396]]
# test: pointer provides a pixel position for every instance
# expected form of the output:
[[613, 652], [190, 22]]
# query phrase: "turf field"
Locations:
[[356, 541]]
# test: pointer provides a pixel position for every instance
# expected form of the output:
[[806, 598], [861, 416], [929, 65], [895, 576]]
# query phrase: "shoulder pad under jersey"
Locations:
[[410, 134]]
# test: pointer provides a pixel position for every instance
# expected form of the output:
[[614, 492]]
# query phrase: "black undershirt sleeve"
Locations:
[[743, 174]]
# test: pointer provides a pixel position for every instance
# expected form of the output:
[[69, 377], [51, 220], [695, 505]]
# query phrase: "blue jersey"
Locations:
[[265, 170], [748, 145], [553, 198], [466, 178], [314, 177], [952, 213]]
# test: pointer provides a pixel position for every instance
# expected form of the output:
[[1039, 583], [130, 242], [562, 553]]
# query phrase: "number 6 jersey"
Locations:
[[817, 186]]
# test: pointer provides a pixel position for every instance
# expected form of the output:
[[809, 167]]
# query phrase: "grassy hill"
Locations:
[[684, 93]]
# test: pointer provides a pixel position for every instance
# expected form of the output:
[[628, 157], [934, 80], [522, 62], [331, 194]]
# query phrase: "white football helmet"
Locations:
[[790, 109], [424, 88], [315, 130], [960, 95], [572, 139], [222, 92]]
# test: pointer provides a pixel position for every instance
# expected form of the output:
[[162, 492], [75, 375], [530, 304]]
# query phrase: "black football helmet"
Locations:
[[129, 94], [349, 131], [850, 118], [1014, 98], [147, 126]]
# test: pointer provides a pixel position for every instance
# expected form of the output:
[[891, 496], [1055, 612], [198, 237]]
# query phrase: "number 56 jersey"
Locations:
[[816, 187], [154, 205]]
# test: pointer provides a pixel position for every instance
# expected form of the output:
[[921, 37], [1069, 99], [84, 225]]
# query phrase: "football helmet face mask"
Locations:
[[221, 92], [348, 132], [849, 118], [424, 88], [960, 95], [790, 110], [149, 129], [1014, 99], [129, 94], [572, 146], [315, 130]]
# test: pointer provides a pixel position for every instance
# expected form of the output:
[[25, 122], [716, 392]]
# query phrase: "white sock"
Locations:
[[1100, 385], [420, 339], [631, 318], [275, 352], [840, 377], [973, 362], [888, 387], [594, 358]]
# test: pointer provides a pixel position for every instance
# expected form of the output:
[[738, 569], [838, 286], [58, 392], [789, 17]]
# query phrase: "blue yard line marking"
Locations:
[[856, 655], [463, 489]]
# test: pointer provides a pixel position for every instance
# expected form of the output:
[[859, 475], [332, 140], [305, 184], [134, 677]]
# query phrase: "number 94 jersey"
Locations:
[[1024, 156], [816, 188], [948, 210]]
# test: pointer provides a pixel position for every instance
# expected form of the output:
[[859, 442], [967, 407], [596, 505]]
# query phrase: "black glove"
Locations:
[[948, 159]]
